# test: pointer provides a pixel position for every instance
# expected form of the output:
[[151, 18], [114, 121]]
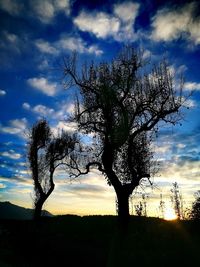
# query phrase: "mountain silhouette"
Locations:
[[11, 211]]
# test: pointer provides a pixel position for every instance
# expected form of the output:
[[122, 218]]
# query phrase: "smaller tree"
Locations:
[[145, 197], [162, 206], [141, 206], [45, 154], [177, 201], [139, 209], [195, 211]]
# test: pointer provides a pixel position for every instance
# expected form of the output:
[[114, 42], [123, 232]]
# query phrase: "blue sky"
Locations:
[[34, 37]]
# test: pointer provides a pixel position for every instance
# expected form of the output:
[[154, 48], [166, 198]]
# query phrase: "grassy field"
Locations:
[[96, 241]]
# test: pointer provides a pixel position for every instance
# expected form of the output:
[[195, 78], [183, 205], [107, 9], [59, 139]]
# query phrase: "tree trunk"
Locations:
[[43, 197], [122, 191], [123, 207], [38, 209]]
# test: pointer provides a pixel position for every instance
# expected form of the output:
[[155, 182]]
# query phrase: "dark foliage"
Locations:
[[195, 211]]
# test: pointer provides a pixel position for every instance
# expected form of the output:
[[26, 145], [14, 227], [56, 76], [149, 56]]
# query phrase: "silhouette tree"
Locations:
[[162, 206], [122, 108], [144, 202], [139, 209], [45, 154], [177, 201], [195, 211]]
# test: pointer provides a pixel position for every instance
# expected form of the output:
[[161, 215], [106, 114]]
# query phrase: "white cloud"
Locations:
[[11, 154], [43, 85], [46, 10], [11, 41], [61, 114], [146, 54], [43, 110], [169, 24], [45, 47], [190, 103], [17, 126], [43, 65], [13, 7], [118, 25], [100, 24], [62, 5], [11, 37], [177, 70], [192, 86], [180, 145], [19, 123], [194, 32], [65, 43], [66, 126], [2, 186], [182, 170], [26, 106], [64, 110], [162, 149], [93, 49], [2, 92], [73, 43], [181, 69], [70, 108], [127, 11], [8, 143]]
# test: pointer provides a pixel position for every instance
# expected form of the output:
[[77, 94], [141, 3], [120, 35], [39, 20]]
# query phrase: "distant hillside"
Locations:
[[11, 211]]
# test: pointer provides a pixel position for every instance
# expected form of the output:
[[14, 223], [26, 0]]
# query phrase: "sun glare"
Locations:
[[170, 215]]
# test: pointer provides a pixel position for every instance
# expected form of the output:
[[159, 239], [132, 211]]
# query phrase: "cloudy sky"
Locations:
[[34, 37]]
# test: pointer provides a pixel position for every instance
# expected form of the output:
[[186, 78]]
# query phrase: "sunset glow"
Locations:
[[170, 215]]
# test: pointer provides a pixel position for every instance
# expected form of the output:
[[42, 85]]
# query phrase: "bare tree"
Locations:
[[122, 108], [141, 207], [45, 154], [144, 202], [177, 200], [162, 206]]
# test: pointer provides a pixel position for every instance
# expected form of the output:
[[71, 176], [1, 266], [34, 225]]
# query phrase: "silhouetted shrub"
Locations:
[[195, 211]]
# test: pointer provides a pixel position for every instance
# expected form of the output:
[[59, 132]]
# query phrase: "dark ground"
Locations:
[[96, 241]]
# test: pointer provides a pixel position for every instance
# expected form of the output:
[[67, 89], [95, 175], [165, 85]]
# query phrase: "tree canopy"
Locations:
[[122, 106], [45, 154]]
